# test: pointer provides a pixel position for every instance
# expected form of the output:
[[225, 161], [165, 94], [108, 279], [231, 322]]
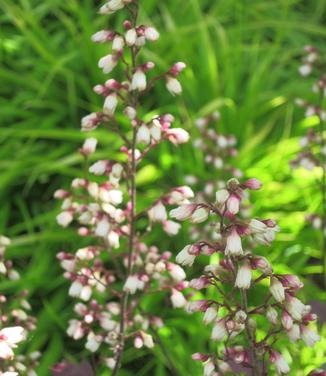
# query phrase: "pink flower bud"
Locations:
[[177, 68], [252, 184], [200, 357], [233, 204], [200, 283], [61, 193], [287, 320], [262, 264], [177, 136], [103, 36], [138, 342], [90, 122], [292, 281]]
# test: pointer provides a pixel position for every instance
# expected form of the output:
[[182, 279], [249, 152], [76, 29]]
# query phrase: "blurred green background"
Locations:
[[242, 58]]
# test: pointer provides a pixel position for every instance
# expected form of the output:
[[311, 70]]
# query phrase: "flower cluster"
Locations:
[[116, 268], [15, 323], [313, 145], [232, 281]]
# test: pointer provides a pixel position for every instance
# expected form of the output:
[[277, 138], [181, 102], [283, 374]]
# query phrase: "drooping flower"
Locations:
[[233, 244], [277, 290], [9, 337], [243, 279], [184, 257], [280, 363]]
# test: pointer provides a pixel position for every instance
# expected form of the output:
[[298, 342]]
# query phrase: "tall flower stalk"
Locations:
[[117, 268], [313, 144], [239, 324]]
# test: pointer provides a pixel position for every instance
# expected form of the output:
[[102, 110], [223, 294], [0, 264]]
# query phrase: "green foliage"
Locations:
[[242, 59]]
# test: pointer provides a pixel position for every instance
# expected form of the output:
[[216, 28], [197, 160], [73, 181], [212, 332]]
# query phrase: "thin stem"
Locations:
[[132, 177], [256, 371]]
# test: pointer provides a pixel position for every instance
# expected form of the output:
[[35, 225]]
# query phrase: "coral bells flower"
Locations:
[[64, 218], [219, 330], [108, 63], [151, 33], [171, 227], [177, 299], [233, 204], [252, 184], [110, 104], [102, 36], [144, 135], [183, 212], [287, 320], [133, 284], [9, 337], [90, 122], [158, 213], [89, 146], [309, 336], [209, 369], [177, 136], [210, 315], [184, 257], [199, 215], [138, 81], [197, 305], [233, 244], [293, 333], [243, 279], [173, 86], [221, 196], [277, 290], [280, 363], [112, 6], [295, 307]]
